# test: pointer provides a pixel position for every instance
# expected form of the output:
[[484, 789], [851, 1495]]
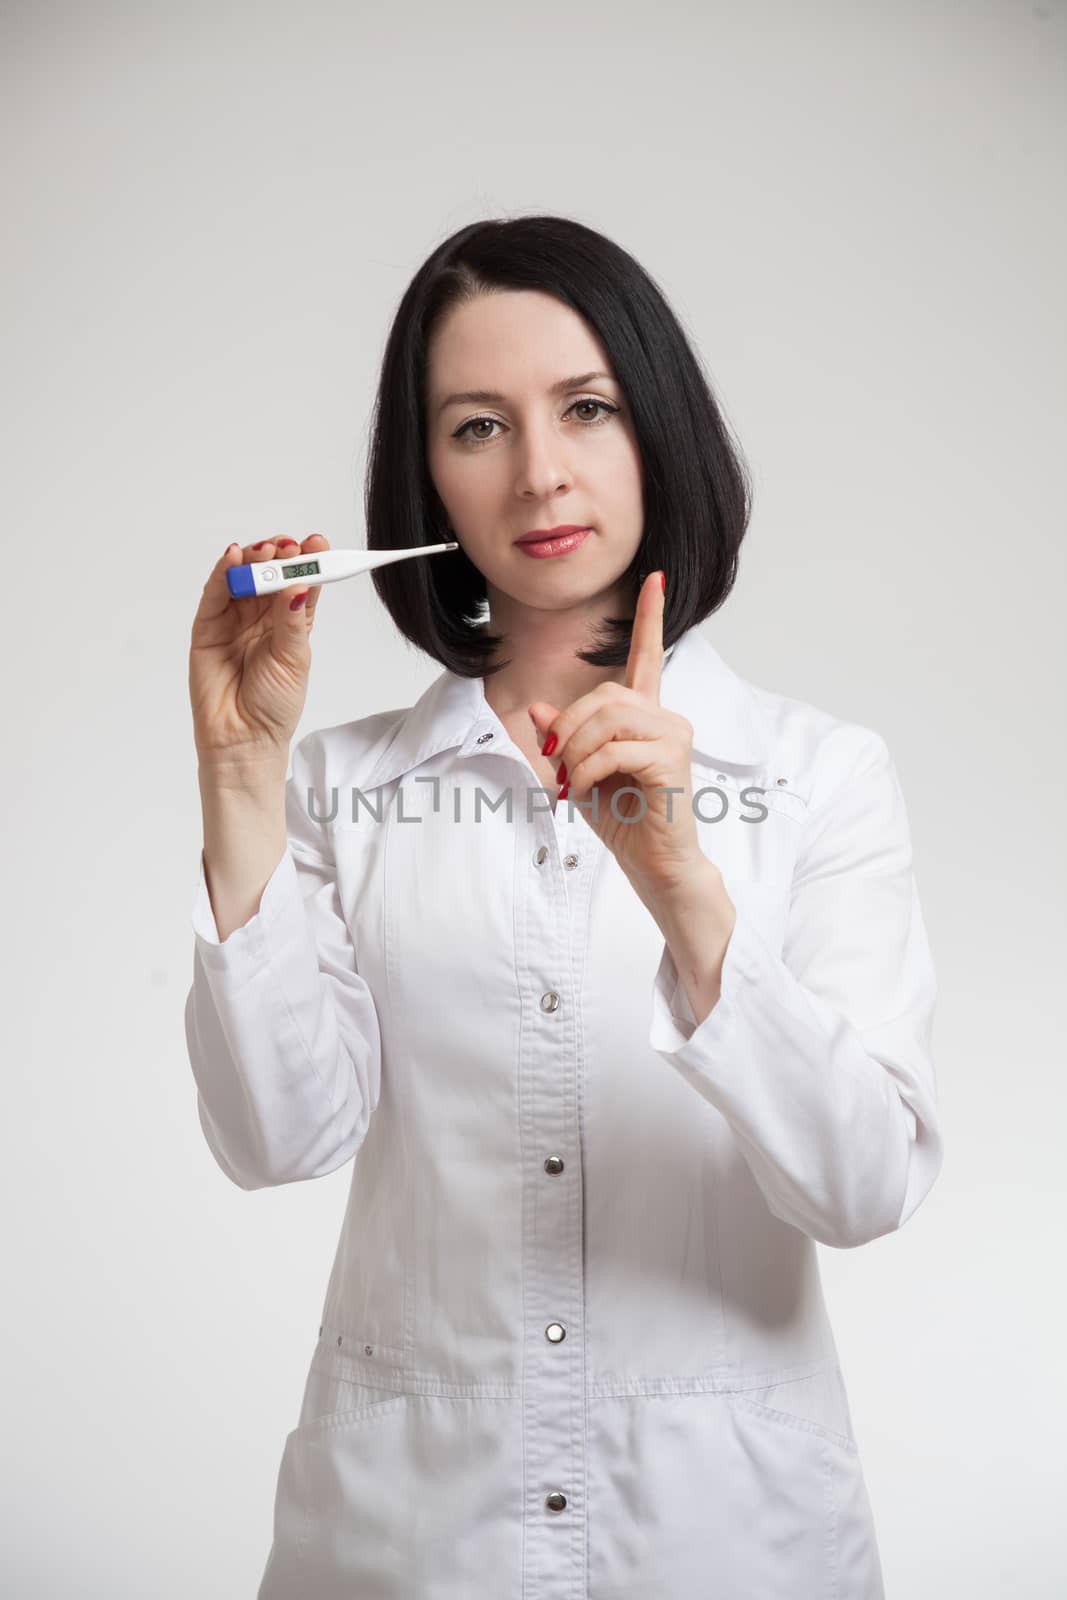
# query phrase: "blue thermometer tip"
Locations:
[[240, 582]]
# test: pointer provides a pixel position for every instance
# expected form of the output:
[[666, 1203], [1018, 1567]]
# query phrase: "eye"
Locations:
[[607, 410]]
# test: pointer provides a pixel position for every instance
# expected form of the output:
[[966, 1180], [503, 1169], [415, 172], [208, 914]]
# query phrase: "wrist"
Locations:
[[251, 774], [699, 893], [697, 923]]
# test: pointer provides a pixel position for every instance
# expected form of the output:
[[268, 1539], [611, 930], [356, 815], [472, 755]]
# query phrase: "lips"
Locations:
[[555, 547], [538, 535]]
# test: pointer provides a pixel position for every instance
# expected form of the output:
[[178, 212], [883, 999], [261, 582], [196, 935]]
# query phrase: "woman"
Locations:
[[574, 1340]]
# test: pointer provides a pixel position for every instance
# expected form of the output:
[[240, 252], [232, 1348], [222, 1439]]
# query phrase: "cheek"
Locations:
[[455, 487], [465, 477], [623, 468]]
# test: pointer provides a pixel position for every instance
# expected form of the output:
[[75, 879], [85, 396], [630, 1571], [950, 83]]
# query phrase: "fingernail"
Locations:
[[284, 541], [663, 581], [549, 745], [294, 605], [561, 775], [564, 792], [260, 545]]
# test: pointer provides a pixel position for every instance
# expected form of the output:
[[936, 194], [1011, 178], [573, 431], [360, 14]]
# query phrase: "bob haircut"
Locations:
[[697, 492]]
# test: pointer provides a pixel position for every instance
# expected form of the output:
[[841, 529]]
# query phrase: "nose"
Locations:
[[542, 468]]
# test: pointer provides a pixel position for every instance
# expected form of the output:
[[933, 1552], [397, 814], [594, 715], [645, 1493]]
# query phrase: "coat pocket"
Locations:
[[333, 1499], [332, 1401], [815, 1403], [399, 1494], [796, 1446]]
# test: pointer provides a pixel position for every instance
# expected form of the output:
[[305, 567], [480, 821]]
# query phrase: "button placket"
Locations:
[[557, 1381]]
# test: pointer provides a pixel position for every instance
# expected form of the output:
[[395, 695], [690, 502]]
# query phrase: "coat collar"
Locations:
[[729, 725]]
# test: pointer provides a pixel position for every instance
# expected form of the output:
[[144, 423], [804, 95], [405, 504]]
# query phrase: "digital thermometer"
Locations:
[[308, 571]]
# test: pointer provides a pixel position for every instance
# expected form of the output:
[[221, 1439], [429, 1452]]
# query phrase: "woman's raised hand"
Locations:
[[249, 660]]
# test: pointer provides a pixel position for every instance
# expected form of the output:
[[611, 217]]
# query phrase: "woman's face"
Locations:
[[532, 457]]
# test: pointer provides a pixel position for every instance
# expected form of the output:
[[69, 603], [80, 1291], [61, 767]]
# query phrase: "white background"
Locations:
[[211, 213]]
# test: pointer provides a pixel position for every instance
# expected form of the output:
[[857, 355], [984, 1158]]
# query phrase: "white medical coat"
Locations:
[[574, 1341]]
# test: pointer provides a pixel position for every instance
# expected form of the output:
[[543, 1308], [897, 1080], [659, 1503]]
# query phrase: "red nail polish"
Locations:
[[549, 745], [561, 775], [663, 581], [564, 792], [260, 545], [299, 600], [283, 541]]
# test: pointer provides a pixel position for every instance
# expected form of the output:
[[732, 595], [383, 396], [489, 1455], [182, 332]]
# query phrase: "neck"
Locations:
[[541, 650]]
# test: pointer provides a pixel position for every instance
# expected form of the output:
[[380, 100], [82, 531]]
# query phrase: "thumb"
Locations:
[[289, 627], [542, 715]]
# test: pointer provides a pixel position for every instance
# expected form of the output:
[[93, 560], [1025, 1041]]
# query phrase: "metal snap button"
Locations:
[[483, 738], [570, 862], [540, 855], [553, 1164], [555, 1333], [555, 1501], [781, 780], [550, 1001]]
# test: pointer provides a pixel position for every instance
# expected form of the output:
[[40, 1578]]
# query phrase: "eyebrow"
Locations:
[[487, 396]]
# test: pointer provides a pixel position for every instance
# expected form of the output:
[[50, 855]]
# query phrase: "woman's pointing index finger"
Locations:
[[644, 665]]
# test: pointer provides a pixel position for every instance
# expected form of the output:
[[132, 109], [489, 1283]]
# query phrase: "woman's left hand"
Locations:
[[618, 737]]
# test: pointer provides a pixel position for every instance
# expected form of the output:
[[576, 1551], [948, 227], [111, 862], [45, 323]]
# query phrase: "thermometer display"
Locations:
[[300, 569]]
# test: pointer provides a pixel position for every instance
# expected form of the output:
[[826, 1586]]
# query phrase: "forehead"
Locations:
[[507, 333]]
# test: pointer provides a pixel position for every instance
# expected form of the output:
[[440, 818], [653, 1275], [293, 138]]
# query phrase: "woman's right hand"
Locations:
[[249, 661]]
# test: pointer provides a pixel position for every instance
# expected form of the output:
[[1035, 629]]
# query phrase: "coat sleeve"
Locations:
[[282, 1032], [820, 1059]]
